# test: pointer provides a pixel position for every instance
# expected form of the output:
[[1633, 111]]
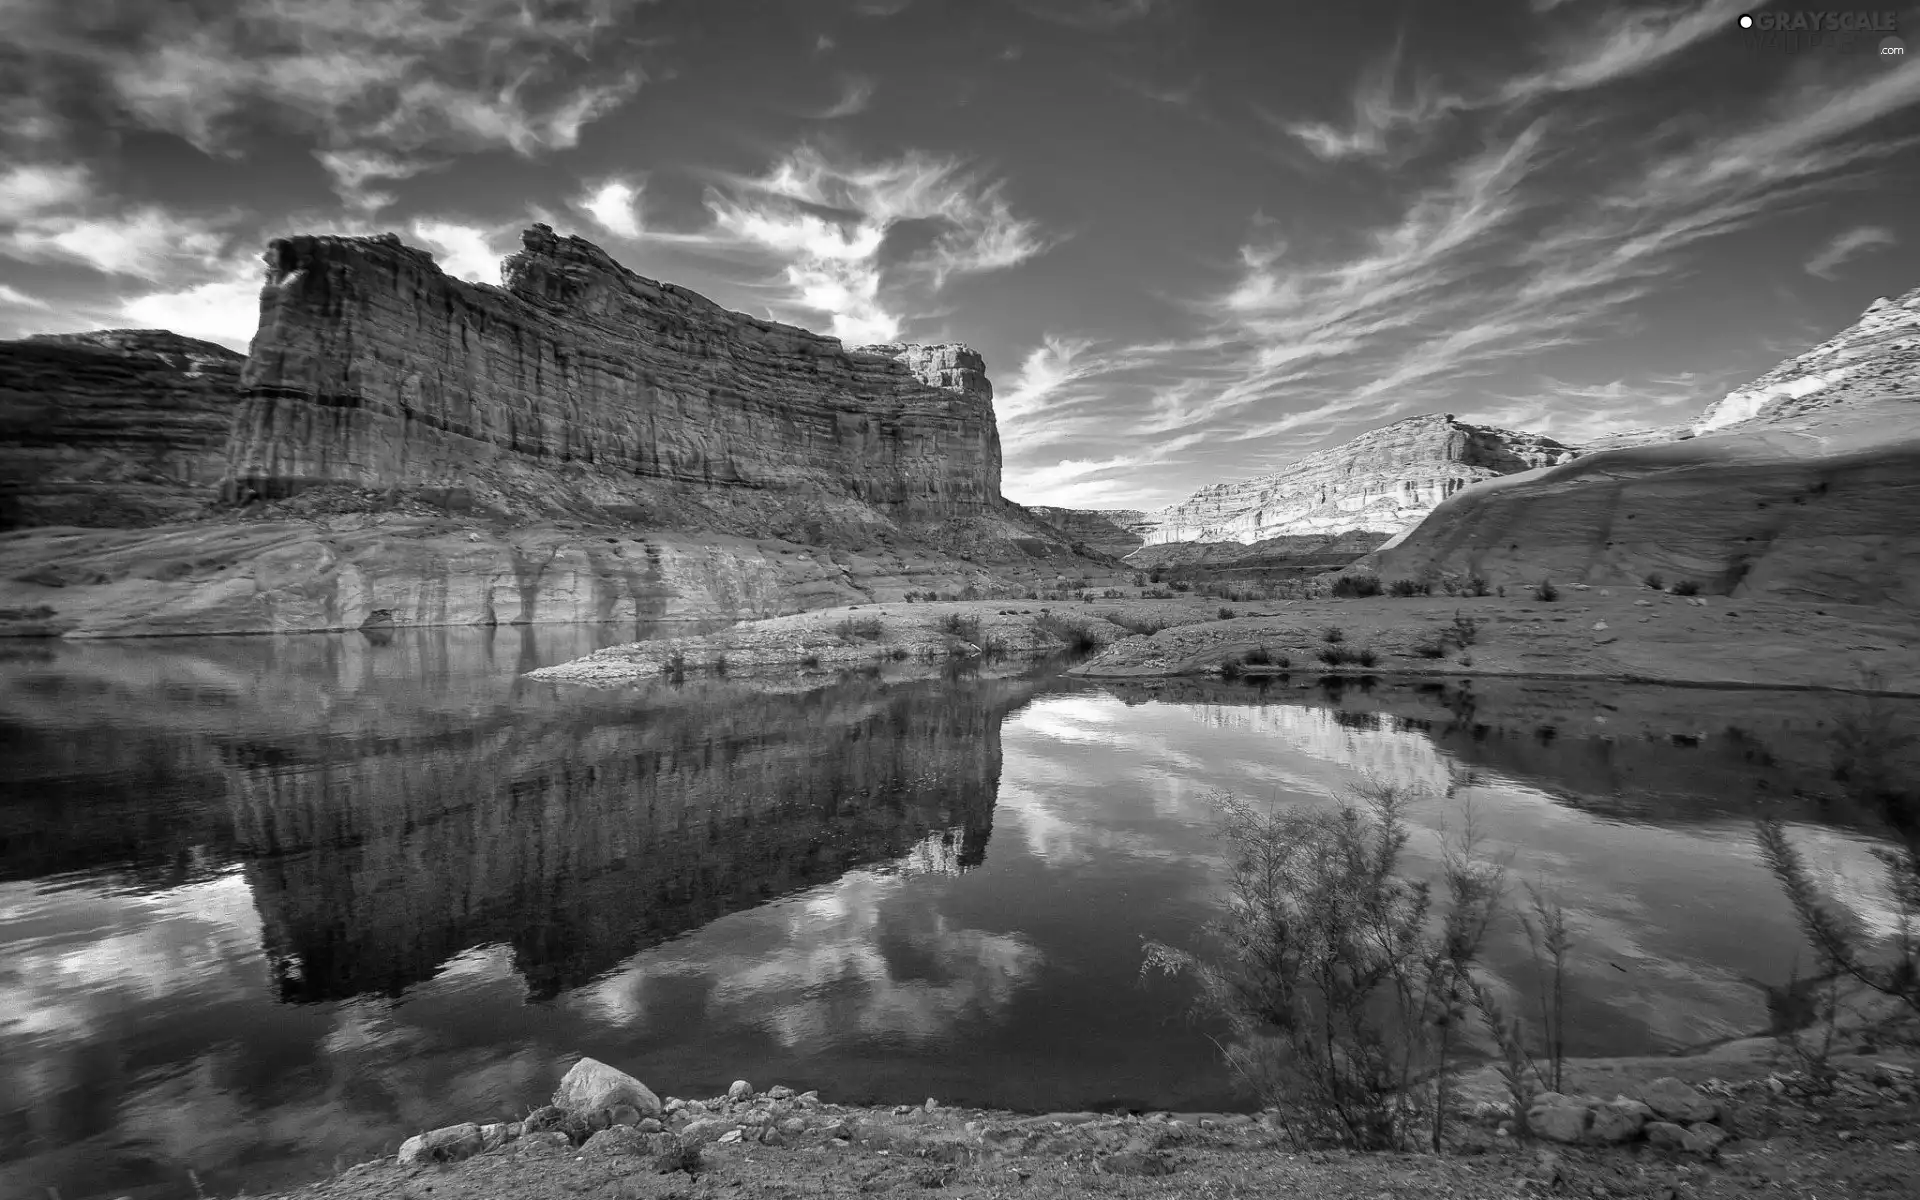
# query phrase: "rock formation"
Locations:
[[1385, 479], [1114, 531], [1790, 489], [580, 385], [122, 427], [579, 444]]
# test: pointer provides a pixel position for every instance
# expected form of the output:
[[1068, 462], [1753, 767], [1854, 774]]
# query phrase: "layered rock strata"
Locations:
[[1112, 531], [120, 427], [580, 385], [1876, 357], [1385, 479]]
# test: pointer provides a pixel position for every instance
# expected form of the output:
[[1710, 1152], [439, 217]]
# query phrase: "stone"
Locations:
[[1704, 1138], [1598, 625], [649, 1125], [779, 1092], [1137, 1159], [544, 1143], [793, 1126], [617, 1139], [1559, 1118], [731, 1135], [708, 1129], [739, 1090], [591, 1086], [1674, 1100], [496, 1135], [117, 428], [1614, 1123], [623, 1114], [450, 1143], [1666, 1135]]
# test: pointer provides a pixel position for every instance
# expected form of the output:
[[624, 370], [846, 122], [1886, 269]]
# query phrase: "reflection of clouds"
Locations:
[[77, 959], [1844, 867], [826, 967]]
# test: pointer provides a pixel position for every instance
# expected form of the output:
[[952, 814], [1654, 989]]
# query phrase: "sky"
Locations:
[[1194, 239]]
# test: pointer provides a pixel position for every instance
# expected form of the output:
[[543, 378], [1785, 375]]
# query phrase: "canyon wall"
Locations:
[[1805, 485], [120, 427], [1114, 531], [580, 386], [1386, 479]]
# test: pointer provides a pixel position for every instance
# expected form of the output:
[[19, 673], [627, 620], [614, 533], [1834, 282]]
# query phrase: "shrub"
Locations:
[[860, 629], [811, 660], [1366, 657], [1259, 656], [1655, 582], [1409, 587], [1141, 625], [1182, 585], [1113, 594], [1139, 579], [1465, 631], [1156, 594], [1233, 666], [720, 665], [1686, 587], [1477, 586], [1354, 586], [1227, 614], [1333, 656], [1339, 997], [1333, 634], [964, 626], [1032, 595], [1544, 590], [675, 666]]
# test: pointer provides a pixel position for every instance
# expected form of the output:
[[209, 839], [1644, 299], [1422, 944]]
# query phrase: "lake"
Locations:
[[270, 905]]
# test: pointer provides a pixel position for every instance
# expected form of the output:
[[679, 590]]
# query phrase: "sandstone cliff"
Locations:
[[120, 427], [579, 444], [1114, 531], [1807, 490], [579, 385]]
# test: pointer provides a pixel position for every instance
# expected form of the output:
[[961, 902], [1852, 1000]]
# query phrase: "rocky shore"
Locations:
[[1619, 634], [1722, 1124]]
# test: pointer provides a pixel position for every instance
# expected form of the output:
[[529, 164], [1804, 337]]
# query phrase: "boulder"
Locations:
[[1666, 1135], [450, 1143], [1677, 1101], [592, 1086], [496, 1135], [1704, 1138], [618, 1139], [739, 1090], [1615, 1122], [1559, 1118], [705, 1130]]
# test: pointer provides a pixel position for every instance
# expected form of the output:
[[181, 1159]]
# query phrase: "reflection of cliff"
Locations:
[[582, 840]]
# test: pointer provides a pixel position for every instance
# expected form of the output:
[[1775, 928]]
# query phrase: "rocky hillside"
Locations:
[[114, 428], [1114, 531], [1804, 485]]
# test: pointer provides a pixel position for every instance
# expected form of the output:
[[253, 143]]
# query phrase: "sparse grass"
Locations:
[[1544, 590], [1686, 587], [1333, 635], [860, 629], [1465, 630], [1356, 586]]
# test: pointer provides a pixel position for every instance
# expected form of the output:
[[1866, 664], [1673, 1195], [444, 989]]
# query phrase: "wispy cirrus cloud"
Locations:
[[1861, 239], [57, 213], [13, 297], [1578, 413], [1388, 118], [837, 231], [374, 84], [856, 93]]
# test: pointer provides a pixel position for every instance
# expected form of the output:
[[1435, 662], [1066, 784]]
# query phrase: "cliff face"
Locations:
[[1804, 485], [1384, 480], [580, 385], [120, 427], [1876, 357], [1114, 531]]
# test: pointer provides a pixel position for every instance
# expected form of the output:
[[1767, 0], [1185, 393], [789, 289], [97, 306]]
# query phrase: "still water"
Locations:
[[269, 905]]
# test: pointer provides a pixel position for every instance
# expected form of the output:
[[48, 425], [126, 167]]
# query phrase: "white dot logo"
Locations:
[[1746, 20]]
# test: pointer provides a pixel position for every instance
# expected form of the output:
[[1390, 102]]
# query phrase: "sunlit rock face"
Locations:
[[579, 385], [1877, 356], [117, 427], [1385, 479], [579, 840], [1805, 485]]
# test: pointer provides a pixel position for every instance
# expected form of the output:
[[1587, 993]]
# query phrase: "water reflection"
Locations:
[[266, 902]]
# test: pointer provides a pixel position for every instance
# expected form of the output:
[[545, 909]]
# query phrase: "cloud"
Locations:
[[1380, 114], [361, 79], [224, 310], [13, 297], [1578, 413], [54, 213], [1623, 42], [352, 170], [1093, 15], [856, 92], [468, 252], [614, 206], [1845, 246], [831, 228]]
